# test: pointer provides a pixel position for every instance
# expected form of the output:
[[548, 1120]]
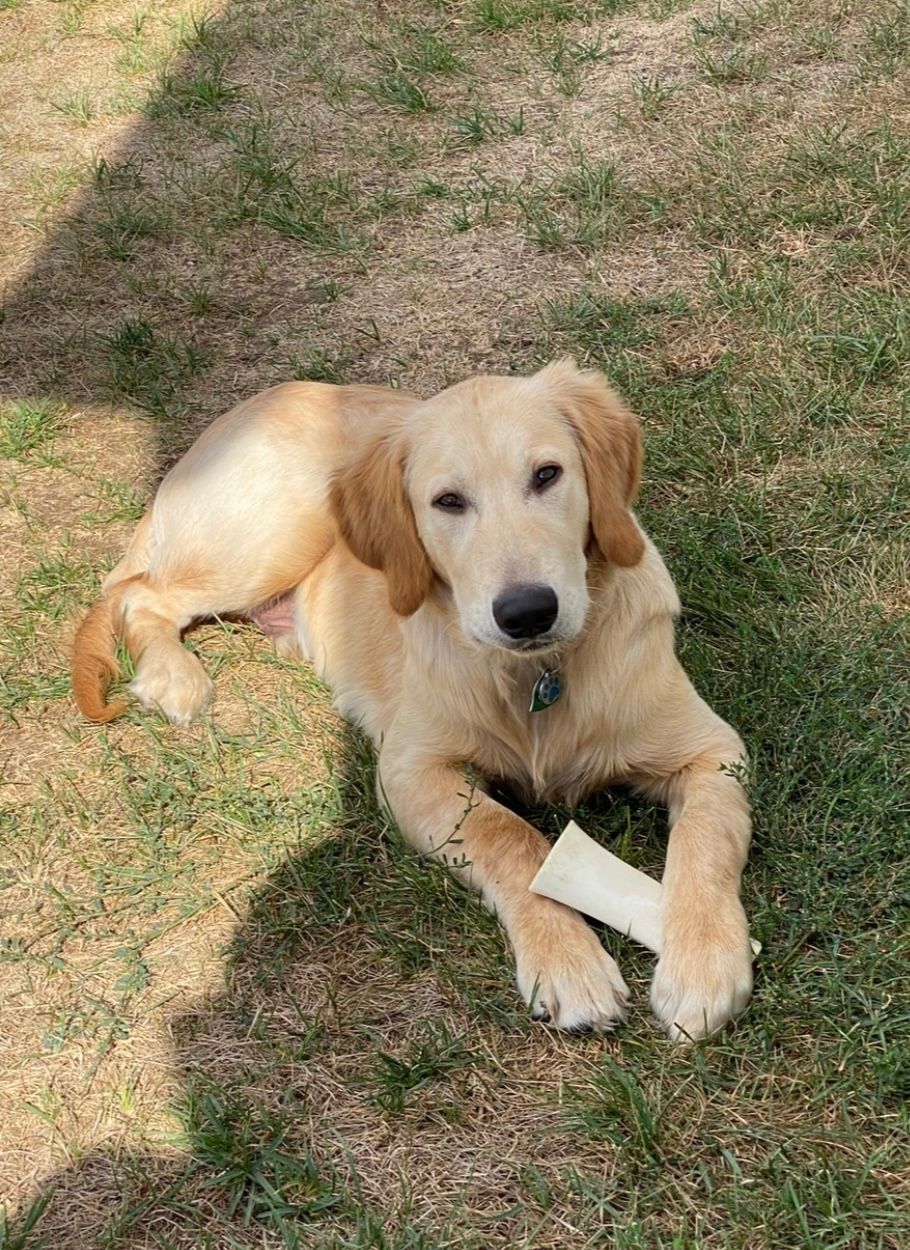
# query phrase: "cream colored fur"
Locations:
[[327, 493]]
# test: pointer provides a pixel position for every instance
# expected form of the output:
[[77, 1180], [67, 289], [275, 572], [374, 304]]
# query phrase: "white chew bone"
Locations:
[[592, 880]]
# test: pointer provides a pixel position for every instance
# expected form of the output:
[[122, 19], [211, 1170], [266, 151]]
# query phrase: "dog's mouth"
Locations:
[[529, 648], [534, 646]]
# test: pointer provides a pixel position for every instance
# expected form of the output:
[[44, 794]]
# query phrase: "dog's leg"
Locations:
[[704, 975], [563, 972], [168, 677]]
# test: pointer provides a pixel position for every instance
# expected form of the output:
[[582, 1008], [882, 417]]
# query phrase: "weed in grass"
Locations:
[[23, 1235], [615, 1108], [398, 150], [117, 501], [736, 65], [432, 189], [857, 179], [429, 53], [110, 179], [203, 36], [400, 91], [201, 87], [306, 219], [71, 17], [199, 297], [28, 428], [472, 128], [516, 122], [887, 43], [658, 10], [609, 333], [28, 681], [413, 50], [823, 42], [134, 27], [267, 189], [475, 207], [651, 94], [149, 366], [127, 225], [137, 52], [461, 219], [508, 15], [431, 1057], [565, 59], [320, 365], [338, 88], [50, 193], [263, 1175], [595, 324], [76, 105], [501, 15], [203, 91], [728, 24], [261, 168], [585, 208], [52, 587]]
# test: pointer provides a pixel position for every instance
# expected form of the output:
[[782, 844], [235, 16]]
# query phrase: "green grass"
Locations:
[[586, 207], [28, 429], [401, 92], [77, 106], [242, 1012]]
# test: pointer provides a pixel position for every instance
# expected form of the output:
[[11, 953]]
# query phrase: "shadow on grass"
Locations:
[[348, 1040], [366, 1077]]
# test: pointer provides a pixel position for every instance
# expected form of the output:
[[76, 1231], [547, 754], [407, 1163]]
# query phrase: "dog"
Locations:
[[446, 565]]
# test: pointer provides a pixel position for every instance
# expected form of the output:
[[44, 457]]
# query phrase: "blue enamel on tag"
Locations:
[[546, 691]]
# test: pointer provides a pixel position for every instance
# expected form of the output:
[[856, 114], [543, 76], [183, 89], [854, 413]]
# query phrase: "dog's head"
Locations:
[[499, 488]]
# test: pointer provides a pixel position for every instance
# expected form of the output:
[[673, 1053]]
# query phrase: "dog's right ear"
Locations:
[[376, 521]]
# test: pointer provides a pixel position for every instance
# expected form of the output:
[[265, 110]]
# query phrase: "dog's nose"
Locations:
[[525, 611]]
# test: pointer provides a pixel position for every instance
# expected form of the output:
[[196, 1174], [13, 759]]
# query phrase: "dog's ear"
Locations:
[[610, 442], [375, 518]]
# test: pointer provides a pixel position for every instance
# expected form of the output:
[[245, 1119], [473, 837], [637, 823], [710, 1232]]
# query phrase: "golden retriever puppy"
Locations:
[[467, 574]]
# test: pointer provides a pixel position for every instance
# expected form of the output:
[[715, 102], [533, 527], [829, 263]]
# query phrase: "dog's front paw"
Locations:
[[564, 974], [704, 975], [171, 680]]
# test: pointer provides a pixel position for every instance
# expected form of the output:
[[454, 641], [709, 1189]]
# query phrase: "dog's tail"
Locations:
[[94, 658]]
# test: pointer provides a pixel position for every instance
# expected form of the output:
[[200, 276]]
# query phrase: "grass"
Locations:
[[240, 1013], [28, 429], [76, 105], [585, 207]]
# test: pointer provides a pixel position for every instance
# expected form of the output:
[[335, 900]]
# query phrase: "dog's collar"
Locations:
[[546, 690]]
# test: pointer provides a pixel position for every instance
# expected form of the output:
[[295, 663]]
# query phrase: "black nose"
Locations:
[[525, 611]]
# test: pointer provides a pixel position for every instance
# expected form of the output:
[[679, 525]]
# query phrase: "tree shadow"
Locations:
[[365, 1077]]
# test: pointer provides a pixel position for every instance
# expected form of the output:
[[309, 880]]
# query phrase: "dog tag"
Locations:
[[547, 690]]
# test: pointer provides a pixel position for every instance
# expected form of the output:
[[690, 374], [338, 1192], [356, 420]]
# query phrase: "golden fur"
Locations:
[[329, 497]]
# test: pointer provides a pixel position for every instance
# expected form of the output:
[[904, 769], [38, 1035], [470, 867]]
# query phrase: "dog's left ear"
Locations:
[[610, 442]]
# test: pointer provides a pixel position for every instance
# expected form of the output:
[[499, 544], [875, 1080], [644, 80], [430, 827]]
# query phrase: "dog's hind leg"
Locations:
[[169, 678]]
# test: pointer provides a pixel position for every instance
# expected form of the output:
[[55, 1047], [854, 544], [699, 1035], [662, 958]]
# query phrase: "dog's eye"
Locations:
[[453, 503], [546, 476]]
